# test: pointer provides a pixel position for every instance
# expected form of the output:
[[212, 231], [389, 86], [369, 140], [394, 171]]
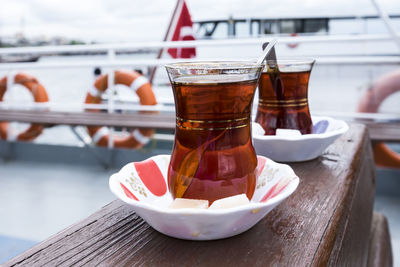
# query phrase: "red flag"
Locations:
[[182, 30]]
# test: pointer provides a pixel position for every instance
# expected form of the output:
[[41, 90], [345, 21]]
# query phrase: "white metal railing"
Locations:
[[218, 42], [386, 20], [112, 62], [380, 60]]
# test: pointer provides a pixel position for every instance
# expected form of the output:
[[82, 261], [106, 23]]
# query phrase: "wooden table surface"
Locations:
[[326, 221]]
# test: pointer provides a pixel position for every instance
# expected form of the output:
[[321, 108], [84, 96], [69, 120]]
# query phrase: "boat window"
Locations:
[[204, 30], [214, 29], [270, 27], [255, 28], [316, 25], [242, 29], [291, 26], [221, 31]]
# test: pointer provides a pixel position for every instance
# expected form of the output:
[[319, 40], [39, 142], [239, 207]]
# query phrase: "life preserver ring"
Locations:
[[39, 94], [370, 102], [138, 83], [293, 45]]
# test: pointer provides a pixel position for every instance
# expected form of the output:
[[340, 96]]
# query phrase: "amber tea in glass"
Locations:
[[283, 96], [213, 156]]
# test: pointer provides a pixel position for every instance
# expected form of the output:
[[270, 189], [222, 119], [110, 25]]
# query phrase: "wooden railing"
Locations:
[[388, 132]]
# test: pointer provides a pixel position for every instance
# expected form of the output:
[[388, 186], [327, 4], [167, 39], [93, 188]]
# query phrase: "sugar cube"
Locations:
[[185, 203], [287, 132], [230, 202]]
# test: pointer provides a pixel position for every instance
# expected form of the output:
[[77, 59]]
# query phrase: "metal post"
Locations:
[[111, 93], [168, 36], [10, 81], [250, 27], [91, 149], [386, 20]]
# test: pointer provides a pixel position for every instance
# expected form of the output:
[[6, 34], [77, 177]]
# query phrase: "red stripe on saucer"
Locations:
[[260, 164], [128, 193], [276, 189], [151, 176]]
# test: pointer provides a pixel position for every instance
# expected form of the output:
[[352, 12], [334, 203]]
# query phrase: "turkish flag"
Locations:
[[182, 30]]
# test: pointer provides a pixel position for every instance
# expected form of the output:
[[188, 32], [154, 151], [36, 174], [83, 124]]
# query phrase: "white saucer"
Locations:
[[293, 148], [144, 186]]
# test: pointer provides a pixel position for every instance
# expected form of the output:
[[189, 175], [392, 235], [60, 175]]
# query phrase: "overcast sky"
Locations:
[[132, 20]]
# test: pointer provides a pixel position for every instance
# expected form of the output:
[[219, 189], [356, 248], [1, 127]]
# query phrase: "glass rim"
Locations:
[[293, 61], [215, 65]]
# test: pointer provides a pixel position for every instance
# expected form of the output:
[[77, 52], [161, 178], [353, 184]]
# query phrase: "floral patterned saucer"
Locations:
[[144, 186], [298, 147]]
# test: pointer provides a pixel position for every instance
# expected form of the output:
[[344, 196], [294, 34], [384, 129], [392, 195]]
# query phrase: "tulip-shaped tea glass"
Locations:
[[283, 96], [213, 156]]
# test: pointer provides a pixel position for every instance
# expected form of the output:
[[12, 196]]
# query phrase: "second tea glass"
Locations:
[[283, 96], [213, 156]]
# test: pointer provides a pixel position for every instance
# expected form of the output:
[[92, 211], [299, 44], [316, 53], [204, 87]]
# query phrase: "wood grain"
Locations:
[[384, 132], [351, 245], [139, 120], [380, 249], [321, 224]]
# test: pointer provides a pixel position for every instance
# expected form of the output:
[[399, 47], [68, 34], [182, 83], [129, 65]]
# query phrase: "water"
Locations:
[[42, 199]]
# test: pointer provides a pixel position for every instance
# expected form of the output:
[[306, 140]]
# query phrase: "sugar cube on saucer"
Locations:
[[287, 132], [230, 202], [258, 129], [185, 203]]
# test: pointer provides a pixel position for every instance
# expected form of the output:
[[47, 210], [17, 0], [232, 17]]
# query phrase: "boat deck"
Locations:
[[41, 198]]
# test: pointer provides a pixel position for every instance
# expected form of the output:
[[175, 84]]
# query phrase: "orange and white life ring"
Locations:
[[139, 84], [39, 94], [370, 102]]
